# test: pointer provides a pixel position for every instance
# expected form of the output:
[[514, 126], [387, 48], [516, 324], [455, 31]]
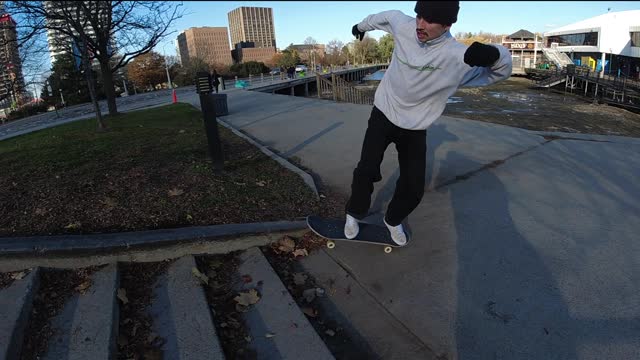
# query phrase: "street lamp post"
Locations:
[[166, 65]]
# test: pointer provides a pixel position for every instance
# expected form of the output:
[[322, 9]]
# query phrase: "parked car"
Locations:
[[274, 71], [301, 68]]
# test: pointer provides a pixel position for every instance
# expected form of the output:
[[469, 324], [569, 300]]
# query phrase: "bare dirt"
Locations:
[[514, 103]]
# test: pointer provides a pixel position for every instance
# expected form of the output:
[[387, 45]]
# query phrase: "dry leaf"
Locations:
[[176, 192], [300, 252], [181, 131], [73, 226], [189, 217], [247, 298], [299, 278], [269, 335], [246, 279], [122, 295], [330, 332], [309, 294], [261, 183], [248, 338], [200, 275], [82, 288], [286, 244], [310, 311], [18, 276]]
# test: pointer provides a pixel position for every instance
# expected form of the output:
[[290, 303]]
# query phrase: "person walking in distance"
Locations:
[[427, 67], [215, 80]]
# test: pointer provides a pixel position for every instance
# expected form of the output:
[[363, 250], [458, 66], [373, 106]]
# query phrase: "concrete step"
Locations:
[[181, 314], [277, 326], [16, 303], [86, 327]]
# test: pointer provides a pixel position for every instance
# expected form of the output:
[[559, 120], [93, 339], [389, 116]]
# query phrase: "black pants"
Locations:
[[411, 146]]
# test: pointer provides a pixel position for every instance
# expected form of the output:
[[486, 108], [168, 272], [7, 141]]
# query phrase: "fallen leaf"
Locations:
[[239, 183], [299, 278], [286, 244], [248, 338], [18, 276], [300, 252], [181, 131], [200, 275], [122, 295], [82, 288], [247, 298], [261, 183], [73, 226], [330, 332], [309, 294], [189, 217], [176, 192], [269, 335], [246, 279], [310, 311]]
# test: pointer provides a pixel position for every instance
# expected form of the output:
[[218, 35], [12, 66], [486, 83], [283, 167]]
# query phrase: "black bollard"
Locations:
[[208, 106]]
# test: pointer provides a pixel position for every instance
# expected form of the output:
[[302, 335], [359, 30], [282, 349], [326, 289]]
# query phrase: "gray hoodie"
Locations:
[[422, 76]]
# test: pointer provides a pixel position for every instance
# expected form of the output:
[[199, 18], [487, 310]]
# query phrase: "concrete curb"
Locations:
[[277, 313], [308, 179], [66, 244], [182, 316], [16, 303]]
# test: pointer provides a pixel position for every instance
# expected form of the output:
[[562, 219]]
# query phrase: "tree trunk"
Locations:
[[88, 72], [107, 83]]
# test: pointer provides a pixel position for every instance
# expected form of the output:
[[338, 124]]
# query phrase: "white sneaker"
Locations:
[[397, 234], [351, 227]]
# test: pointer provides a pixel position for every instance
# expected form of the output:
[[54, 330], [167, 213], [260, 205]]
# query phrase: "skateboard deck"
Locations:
[[333, 230]]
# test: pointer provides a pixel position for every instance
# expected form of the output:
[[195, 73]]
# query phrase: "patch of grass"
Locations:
[[150, 170]]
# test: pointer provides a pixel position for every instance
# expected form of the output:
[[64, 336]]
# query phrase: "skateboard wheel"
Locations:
[[388, 249], [331, 244]]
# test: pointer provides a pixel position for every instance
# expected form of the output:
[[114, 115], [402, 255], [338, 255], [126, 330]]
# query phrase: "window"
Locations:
[[582, 39], [635, 38]]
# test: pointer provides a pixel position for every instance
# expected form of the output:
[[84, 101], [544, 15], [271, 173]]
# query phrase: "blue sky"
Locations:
[[328, 20]]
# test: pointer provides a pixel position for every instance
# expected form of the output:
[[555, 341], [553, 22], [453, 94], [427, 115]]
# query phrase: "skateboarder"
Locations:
[[428, 65]]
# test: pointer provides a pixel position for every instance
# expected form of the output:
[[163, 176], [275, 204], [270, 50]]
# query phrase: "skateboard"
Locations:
[[333, 230]]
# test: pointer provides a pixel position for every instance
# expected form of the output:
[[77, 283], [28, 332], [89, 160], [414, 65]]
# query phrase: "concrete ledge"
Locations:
[[181, 314], [16, 303], [146, 254], [61, 244], [304, 175]]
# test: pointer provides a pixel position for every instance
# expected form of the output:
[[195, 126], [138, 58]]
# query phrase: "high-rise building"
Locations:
[[210, 44], [11, 80], [252, 24], [60, 43]]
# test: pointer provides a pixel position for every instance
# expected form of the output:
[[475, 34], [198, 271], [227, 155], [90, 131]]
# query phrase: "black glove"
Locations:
[[357, 33], [479, 54]]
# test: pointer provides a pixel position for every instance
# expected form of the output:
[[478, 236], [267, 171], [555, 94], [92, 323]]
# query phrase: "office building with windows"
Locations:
[[210, 44], [252, 24]]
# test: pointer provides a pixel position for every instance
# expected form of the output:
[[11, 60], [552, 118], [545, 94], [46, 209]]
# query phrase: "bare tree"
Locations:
[[115, 32]]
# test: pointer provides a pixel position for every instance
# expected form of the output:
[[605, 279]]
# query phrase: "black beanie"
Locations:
[[439, 12]]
